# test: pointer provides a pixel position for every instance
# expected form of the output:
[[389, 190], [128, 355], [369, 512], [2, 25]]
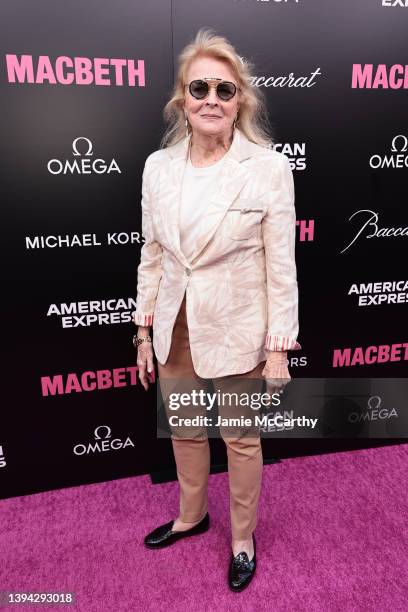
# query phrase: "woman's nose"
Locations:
[[212, 96]]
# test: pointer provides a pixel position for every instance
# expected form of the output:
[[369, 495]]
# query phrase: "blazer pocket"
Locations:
[[243, 218]]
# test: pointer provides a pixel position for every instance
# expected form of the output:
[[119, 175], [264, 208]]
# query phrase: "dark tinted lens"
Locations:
[[226, 90], [198, 89]]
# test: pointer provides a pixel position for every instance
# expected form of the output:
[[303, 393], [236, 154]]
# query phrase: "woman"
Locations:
[[217, 276]]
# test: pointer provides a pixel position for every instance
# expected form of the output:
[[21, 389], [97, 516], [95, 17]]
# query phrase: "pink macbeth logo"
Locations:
[[372, 354], [306, 229], [75, 70], [99, 380], [368, 76]]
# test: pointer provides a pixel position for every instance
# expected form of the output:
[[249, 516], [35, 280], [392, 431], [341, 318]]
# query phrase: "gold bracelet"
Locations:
[[136, 341]]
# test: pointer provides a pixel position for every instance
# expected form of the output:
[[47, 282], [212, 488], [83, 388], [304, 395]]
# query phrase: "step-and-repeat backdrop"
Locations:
[[83, 86]]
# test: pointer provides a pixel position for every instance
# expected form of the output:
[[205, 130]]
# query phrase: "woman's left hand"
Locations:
[[276, 372]]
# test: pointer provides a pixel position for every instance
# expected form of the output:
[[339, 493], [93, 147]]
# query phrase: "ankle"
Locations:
[[180, 525], [246, 545]]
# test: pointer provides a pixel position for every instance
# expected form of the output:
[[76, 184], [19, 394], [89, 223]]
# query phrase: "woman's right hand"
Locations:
[[144, 361]]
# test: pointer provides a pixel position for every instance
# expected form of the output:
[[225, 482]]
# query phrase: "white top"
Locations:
[[197, 188]]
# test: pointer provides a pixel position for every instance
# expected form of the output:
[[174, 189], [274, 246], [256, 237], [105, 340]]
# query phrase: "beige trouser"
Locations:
[[192, 455]]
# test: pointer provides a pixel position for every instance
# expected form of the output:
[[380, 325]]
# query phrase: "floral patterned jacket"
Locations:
[[240, 282]]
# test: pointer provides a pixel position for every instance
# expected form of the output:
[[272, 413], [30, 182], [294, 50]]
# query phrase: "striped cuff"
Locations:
[[145, 320], [281, 343]]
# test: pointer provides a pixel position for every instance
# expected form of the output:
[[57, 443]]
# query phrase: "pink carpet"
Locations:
[[332, 535]]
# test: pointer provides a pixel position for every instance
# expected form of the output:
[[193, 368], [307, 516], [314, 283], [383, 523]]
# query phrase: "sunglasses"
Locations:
[[199, 89]]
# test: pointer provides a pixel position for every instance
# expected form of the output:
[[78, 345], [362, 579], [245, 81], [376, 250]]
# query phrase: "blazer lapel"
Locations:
[[233, 176]]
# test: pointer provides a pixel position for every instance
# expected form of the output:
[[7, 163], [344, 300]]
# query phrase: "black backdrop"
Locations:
[[329, 129]]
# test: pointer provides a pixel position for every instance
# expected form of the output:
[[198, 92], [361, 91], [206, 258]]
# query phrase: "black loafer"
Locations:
[[164, 536], [241, 570]]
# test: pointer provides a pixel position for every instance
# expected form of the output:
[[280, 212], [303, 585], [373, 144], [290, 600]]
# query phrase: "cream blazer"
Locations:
[[240, 282]]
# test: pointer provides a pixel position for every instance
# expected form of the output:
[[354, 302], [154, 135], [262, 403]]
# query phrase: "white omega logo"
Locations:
[[74, 146], [375, 399], [108, 432], [404, 146]]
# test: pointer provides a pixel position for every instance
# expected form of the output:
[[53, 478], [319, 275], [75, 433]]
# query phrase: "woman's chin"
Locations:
[[208, 128]]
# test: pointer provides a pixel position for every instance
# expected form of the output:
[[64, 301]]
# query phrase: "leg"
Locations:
[[192, 454], [245, 461]]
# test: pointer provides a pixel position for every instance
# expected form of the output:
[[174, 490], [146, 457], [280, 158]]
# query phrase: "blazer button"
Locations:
[[188, 271]]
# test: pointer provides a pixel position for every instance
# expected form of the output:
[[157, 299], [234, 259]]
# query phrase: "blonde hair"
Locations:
[[252, 115]]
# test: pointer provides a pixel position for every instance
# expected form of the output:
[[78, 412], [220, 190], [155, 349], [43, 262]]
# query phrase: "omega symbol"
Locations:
[[74, 146], [108, 432], [377, 402]]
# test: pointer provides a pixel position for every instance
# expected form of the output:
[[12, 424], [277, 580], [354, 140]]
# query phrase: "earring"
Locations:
[[235, 122], [186, 124]]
